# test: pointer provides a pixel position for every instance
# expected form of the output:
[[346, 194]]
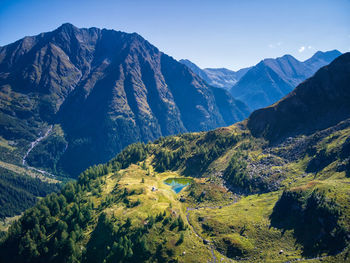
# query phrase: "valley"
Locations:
[[113, 151], [205, 222]]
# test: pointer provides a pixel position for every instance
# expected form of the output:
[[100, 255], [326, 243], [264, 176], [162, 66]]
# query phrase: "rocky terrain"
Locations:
[[251, 192], [101, 90]]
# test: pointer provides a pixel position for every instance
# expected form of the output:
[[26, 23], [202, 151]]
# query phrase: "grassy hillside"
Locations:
[[291, 202]]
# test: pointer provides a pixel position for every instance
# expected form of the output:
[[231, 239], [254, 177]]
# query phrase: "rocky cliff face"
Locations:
[[106, 89]]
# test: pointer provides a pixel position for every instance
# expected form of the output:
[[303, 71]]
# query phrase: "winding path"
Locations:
[[32, 145]]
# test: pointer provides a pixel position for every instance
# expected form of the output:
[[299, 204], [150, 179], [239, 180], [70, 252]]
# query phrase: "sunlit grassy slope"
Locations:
[[249, 201]]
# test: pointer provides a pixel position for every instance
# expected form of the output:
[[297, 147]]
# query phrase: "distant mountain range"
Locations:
[[319, 102], [102, 90], [268, 81], [272, 79], [274, 188], [217, 77]]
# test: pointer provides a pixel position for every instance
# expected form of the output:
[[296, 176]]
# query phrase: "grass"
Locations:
[[6, 144], [241, 230], [24, 171], [244, 228], [6, 223], [335, 140], [238, 227], [152, 203]]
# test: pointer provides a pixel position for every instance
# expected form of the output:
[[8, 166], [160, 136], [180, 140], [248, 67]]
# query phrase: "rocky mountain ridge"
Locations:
[[271, 79], [103, 89]]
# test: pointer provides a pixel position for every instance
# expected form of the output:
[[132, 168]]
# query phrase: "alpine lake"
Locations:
[[177, 184]]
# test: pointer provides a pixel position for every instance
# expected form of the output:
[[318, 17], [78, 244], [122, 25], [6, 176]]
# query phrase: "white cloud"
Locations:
[[309, 47], [274, 45], [301, 49]]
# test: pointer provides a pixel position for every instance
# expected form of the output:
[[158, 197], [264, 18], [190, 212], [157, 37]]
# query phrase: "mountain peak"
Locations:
[[217, 77], [272, 79], [188, 63], [66, 26], [288, 56], [317, 103], [326, 55], [120, 80], [270, 61]]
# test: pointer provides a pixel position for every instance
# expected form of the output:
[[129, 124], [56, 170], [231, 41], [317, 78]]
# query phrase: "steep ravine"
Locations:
[[32, 146]]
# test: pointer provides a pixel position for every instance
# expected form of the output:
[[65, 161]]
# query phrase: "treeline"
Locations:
[[49, 231], [315, 219], [236, 172], [237, 176], [132, 154], [19, 192], [48, 153], [54, 229], [193, 153], [112, 241], [169, 160]]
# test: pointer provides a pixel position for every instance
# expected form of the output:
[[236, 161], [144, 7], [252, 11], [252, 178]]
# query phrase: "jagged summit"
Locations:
[[105, 89]]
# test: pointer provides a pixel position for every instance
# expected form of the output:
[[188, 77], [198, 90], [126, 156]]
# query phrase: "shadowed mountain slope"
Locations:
[[241, 198], [104, 89], [320, 101]]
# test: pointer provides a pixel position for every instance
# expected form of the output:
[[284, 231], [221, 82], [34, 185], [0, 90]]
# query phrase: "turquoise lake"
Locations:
[[177, 184]]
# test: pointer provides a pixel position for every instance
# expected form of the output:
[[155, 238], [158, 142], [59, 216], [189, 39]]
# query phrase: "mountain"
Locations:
[[272, 79], [216, 77], [320, 59], [99, 90], [227, 194], [318, 102], [266, 82]]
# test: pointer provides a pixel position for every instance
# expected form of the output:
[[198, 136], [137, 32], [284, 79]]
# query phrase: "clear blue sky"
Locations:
[[211, 33]]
